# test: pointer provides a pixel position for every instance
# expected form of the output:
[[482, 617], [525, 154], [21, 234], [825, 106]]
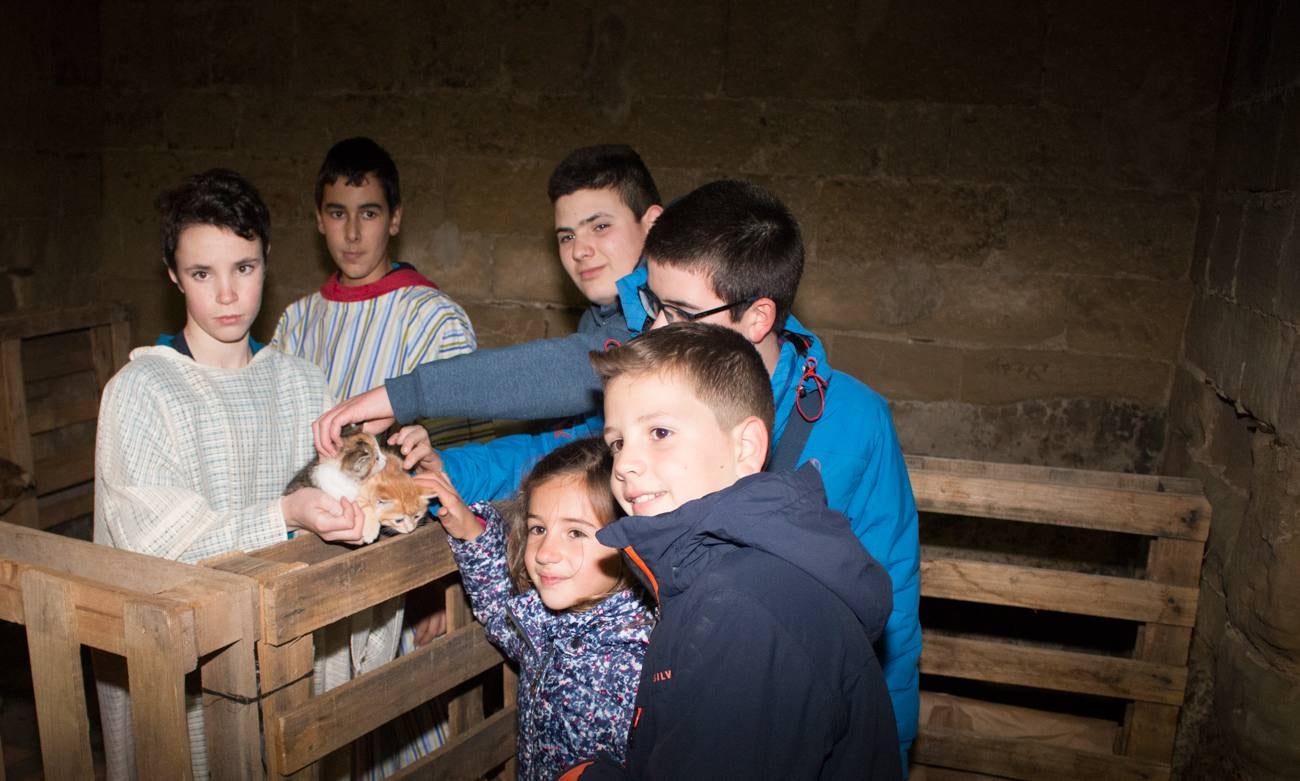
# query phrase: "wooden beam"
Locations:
[[29, 323], [61, 401], [156, 670], [1083, 506], [1042, 668], [1055, 475], [1149, 728], [56, 676], [308, 599], [466, 708], [1025, 759], [1131, 599], [15, 433], [345, 713], [56, 355], [488, 744]]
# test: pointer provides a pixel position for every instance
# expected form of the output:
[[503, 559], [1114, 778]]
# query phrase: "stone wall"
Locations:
[[50, 154], [1233, 416], [999, 198]]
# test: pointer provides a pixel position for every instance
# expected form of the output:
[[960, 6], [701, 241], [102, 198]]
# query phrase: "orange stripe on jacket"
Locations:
[[574, 773], [636, 559]]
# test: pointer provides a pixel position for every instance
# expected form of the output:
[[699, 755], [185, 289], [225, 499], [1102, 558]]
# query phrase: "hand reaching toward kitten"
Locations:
[[417, 452], [454, 516]]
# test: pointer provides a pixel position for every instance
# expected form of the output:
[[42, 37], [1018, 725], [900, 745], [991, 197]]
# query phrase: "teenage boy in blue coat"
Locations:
[[761, 665], [731, 253]]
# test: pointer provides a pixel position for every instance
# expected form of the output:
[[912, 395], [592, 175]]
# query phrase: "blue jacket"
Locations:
[[762, 664], [578, 671]]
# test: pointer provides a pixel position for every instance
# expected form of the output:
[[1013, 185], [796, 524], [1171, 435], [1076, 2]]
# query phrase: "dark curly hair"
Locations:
[[217, 197]]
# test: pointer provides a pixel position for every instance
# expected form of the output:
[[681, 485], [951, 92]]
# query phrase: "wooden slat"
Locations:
[[15, 436], [1128, 512], [55, 355], [232, 722], [358, 706], [103, 348], [61, 401], [156, 670], [1149, 728], [56, 676], [1069, 671], [308, 599], [471, 755], [30, 323], [1049, 589], [466, 708], [100, 609], [129, 571], [285, 669], [75, 466], [1024, 759], [1055, 475], [112, 577], [60, 506]]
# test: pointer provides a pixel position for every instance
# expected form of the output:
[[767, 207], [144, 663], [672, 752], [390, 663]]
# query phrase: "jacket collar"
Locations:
[[782, 514]]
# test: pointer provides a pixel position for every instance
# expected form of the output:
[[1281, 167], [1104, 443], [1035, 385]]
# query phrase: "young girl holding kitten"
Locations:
[[558, 602]]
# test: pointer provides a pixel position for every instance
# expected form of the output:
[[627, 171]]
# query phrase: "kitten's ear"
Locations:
[[350, 429]]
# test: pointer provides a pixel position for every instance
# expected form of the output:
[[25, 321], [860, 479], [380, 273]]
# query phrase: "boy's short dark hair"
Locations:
[[356, 159], [740, 235], [721, 367], [217, 197], [604, 166]]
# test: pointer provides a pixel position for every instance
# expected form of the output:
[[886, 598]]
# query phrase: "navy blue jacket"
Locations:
[[761, 665]]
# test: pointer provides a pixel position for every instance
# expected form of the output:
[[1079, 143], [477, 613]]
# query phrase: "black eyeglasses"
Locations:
[[675, 314]]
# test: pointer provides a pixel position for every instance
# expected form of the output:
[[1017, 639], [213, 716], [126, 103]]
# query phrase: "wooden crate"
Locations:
[[306, 585], [166, 618], [996, 739], [53, 366]]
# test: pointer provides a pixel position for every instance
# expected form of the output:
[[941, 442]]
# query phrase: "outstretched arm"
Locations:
[[546, 378]]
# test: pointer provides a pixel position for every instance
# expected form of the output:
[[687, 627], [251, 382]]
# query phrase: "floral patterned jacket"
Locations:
[[578, 671]]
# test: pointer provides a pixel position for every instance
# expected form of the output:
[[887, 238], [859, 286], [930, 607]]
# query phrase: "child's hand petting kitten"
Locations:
[[333, 520], [417, 451], [454, 516]]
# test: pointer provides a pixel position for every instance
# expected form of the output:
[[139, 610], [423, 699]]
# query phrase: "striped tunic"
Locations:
[[362, 336], [190, 462]]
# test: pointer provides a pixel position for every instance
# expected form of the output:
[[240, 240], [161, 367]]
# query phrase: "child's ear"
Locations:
[[758, 320], [750, 440], [320, 221], [175, 281], [395, 224], [650, 215]]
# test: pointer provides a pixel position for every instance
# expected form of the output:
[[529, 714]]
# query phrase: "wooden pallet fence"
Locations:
[[165, 618], [999, 740], [305, 585], [53, 366]]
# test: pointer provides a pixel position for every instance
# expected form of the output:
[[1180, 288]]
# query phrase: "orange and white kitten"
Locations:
[[372, 476], [391, 500]]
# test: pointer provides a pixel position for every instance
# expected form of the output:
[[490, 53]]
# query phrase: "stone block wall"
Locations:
[[999, 199], [1233, 419], [50, 154]]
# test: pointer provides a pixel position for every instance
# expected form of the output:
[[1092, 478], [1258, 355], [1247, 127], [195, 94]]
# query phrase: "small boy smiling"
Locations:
[[762, 663]]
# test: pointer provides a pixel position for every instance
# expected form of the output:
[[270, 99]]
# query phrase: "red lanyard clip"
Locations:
[[818, 384]]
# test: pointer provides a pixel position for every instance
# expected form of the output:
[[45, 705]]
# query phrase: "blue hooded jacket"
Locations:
[[853, 444], [762, 663]]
